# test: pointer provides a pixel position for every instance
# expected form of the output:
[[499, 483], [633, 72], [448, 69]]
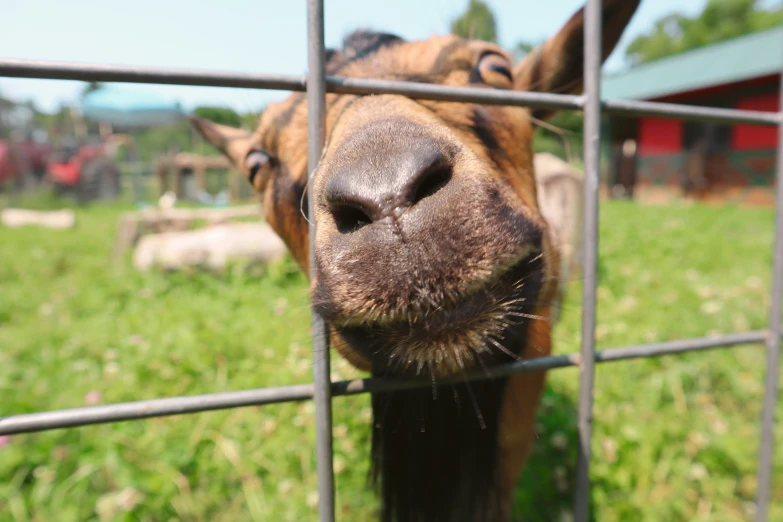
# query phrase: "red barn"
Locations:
[[651, 157]]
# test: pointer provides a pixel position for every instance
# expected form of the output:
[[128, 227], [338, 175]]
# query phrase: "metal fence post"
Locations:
[[592, 158], [773, 341], [316, 123]]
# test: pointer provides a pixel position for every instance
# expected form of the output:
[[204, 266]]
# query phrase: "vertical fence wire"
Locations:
[[592, 144], [316, 101], [773, 343]]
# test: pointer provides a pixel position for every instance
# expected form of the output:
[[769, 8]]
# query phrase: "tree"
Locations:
[[522, 49], [221, 115], [720, 20], [250, 120], [91, 87], [477, 22]]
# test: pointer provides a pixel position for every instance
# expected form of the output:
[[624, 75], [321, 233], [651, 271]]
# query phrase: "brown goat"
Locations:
[[431, 254]]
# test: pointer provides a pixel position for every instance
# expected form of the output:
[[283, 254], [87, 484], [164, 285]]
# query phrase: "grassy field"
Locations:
[[675, 438]]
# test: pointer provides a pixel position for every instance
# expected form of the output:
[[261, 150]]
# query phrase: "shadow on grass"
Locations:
[[545, 492]]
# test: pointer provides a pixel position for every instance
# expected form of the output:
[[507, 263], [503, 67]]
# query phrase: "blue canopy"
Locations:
[[130, 107]]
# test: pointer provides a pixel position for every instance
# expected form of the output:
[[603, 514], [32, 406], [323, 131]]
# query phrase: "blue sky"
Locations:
[[263, 36]]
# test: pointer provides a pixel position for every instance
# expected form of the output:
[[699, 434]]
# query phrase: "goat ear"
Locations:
[[557, 65], [232, 142]]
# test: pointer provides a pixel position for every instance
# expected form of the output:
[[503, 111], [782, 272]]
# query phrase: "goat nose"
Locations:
[[380, 183]]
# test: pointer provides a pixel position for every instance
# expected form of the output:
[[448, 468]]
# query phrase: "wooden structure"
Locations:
[[19, 217], [559, 189], [653, 158], [173, 169]]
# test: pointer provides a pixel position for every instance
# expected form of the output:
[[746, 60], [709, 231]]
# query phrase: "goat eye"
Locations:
[[495, 70], [255, 161]]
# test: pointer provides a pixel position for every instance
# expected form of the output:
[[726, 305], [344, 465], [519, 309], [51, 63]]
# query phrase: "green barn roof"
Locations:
[[734, 60]]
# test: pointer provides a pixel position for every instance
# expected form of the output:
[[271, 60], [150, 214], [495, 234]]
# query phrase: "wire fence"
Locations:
[[317, 84]]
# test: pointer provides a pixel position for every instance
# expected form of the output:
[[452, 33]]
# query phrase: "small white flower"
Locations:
[[697, 471]]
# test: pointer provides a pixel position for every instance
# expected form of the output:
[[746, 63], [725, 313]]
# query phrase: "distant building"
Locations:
[[658, 157]]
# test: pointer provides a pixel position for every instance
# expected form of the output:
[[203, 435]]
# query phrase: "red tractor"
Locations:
[[23, 162], [85, 172]]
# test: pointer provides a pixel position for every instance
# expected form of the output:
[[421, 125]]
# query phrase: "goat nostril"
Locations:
[[431, 181], [349, 219], [377, 183]]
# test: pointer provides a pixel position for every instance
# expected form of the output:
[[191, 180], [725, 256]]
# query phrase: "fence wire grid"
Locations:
[[317, 84]]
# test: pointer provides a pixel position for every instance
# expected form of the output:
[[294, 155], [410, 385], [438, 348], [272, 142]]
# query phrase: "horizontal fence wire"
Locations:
[[71, 418], [194, 77]]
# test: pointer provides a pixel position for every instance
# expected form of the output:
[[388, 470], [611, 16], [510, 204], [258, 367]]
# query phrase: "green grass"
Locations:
[[675, 437]]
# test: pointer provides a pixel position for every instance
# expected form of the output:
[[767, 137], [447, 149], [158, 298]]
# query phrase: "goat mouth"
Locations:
[[487, 326]]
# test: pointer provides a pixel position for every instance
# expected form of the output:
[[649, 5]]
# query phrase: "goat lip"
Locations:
[[470, 305], [496, 312]]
